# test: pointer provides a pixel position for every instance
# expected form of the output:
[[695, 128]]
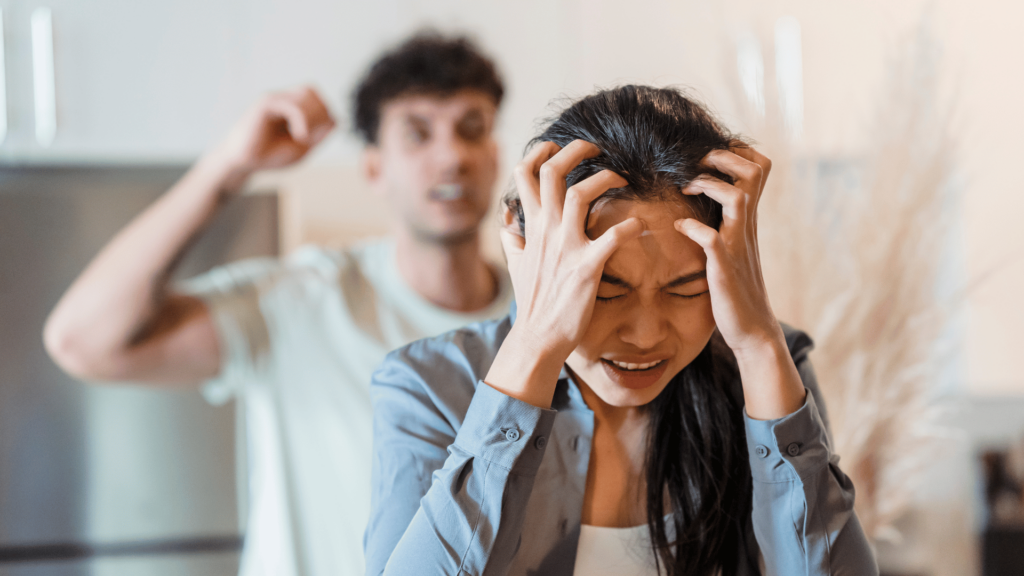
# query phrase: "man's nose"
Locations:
[[451, 154]]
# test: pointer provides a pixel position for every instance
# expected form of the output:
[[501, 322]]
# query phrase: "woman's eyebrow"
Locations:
[[684, 279], [615, 281], [687, 278]]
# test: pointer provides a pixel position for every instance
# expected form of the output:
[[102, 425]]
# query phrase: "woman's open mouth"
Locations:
[[634, 376]]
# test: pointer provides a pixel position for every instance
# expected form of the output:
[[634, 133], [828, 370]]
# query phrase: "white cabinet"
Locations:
[[135, 80]]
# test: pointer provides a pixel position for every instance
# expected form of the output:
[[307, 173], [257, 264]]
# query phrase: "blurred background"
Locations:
[[104, 103]]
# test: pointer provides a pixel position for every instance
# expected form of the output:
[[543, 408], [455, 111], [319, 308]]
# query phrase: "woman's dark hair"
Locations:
[[427, 63], [696, 463]]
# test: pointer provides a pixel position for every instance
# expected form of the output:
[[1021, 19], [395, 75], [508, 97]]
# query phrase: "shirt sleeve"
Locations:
[[803, 503], [231, 293], [449, 499]]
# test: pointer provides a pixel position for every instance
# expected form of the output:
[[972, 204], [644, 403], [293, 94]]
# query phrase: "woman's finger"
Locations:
[[751, 154], [734, 201], [705, 236], [748, 152], [602, 247], [553, 172], [526, 175], [747, 175], [579, 196]]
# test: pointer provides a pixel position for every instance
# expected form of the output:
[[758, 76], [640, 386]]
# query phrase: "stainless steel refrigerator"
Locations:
[[107, 481]]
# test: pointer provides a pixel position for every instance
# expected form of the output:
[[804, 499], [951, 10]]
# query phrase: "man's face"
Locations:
[[436, 162]]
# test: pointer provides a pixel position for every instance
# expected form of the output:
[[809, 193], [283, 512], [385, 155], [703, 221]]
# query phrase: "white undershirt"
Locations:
[[614, 552]]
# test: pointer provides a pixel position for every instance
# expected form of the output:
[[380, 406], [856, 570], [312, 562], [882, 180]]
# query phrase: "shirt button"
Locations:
[[540, 442], [793, 449], [761, 450], [575, 443], [512, 435]]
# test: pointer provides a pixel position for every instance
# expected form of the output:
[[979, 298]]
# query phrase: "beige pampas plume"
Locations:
[[853, 251]]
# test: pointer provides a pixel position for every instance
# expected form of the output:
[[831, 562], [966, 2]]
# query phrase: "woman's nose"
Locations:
[[644, 328]]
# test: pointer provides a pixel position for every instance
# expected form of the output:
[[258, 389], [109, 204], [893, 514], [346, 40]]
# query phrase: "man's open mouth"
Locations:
[[446, 192]]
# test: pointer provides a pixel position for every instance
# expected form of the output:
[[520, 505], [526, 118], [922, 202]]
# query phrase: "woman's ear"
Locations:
[[510, 219], [512, 240]]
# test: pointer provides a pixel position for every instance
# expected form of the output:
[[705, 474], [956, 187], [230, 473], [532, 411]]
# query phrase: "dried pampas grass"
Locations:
[[853, 251]]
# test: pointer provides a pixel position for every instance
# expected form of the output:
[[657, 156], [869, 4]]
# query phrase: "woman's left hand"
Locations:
[[739, 299]]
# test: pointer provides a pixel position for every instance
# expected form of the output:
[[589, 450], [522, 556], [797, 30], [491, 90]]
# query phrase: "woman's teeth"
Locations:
[[629, 366]]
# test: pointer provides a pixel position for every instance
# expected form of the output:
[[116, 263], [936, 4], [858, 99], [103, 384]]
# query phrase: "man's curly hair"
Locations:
[[427, 63]]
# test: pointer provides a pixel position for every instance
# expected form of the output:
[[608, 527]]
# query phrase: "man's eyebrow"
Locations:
[[687, 278], [414, 118]]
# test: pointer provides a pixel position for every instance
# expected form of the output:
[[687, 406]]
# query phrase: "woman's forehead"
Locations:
[[658, 216], [661, 253]]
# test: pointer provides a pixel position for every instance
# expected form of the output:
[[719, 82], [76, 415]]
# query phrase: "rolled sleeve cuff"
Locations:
[[504, 431], [787, 448]]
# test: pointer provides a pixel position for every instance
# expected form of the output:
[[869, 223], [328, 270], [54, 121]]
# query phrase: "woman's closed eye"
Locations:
[[688, 296], [612, 287], [689, 286], [606, 292]]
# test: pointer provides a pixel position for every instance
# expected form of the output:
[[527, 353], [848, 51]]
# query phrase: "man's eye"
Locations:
[[472, 129], [417, 135]]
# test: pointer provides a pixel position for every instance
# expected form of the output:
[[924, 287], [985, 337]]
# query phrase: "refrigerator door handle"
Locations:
[[43, 76], [3, 83]]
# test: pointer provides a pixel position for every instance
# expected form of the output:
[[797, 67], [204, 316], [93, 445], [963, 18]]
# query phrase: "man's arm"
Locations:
[[119, 321]]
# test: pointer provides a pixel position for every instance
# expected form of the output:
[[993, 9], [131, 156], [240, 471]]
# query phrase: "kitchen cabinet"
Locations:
[[135, 81]]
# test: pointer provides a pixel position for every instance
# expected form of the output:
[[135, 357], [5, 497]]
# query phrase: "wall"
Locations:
[[548, 49]]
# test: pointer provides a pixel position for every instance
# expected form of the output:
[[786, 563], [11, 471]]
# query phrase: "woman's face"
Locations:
[[653, 312]]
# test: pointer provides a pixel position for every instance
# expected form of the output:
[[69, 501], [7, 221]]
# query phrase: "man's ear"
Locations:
[[370, 164]]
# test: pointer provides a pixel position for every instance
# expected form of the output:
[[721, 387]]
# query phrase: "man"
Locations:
[[296, 340]]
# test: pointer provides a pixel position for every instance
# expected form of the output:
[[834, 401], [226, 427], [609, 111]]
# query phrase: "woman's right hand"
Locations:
[[556, 268]]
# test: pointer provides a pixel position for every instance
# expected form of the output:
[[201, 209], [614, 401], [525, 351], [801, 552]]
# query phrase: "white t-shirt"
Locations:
[[300, 338], [606, 551]]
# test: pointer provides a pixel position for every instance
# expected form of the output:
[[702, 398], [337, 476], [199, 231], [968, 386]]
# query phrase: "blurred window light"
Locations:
[[750, 66], [789, 73], [3, 83], [43, 76]]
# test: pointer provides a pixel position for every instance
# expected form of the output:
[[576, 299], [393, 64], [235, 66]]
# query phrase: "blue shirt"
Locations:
[[468, 480]]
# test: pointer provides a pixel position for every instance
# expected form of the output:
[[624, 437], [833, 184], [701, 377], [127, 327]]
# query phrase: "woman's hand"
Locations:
[[739, 299], [555, 270]]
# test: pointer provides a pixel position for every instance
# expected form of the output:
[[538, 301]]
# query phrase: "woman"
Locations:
[[685, 441]]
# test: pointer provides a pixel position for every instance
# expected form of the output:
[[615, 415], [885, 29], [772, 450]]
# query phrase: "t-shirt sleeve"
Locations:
[[232, 294]]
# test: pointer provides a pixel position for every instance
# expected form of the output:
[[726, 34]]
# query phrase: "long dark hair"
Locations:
[[696, 463]]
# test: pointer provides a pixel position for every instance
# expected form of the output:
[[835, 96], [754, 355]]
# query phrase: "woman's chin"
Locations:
[[621, 397], [626, 395]]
